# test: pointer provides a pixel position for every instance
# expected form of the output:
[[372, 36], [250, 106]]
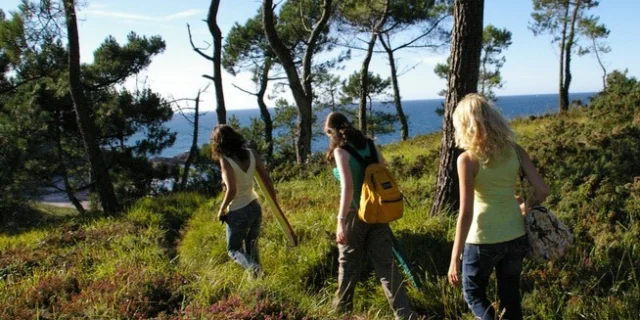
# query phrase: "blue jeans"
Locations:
[[478, 263], [243, 229]]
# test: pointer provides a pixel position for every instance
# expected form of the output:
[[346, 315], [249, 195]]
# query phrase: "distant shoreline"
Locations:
[[413, 100]]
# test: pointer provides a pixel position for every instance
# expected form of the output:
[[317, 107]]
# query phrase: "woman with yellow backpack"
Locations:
[[355, 237]]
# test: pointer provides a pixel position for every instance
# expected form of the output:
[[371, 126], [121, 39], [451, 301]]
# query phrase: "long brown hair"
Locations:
[[341, 132], [225, 141]]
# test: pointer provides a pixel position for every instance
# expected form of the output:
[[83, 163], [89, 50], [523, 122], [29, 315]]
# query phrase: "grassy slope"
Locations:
[[166, 257]]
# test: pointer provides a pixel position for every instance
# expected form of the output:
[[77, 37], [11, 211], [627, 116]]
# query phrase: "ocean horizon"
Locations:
[[421, 116]]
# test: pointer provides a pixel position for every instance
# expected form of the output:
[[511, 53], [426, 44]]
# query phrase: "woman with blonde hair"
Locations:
[[490, 231], [240, 208], [356, 238]]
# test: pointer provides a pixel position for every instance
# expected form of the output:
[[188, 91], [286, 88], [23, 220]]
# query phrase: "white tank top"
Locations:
[[244, 183]]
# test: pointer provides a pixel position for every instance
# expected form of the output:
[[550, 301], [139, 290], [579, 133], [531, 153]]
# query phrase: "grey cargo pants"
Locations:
[[374, 241]]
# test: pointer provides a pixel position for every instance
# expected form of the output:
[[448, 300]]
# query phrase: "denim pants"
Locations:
[[243, 229], [374, 241], [478, 263]]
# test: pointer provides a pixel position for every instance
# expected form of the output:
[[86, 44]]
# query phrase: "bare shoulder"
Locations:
[[465, 158], [340, 152], [468, 162], [225, 166]]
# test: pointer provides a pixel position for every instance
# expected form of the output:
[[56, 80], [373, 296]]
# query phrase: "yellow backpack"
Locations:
[[380, 199]]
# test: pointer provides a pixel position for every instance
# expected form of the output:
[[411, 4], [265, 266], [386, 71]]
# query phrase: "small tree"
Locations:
[[494, 42], [378, 122], [596, 33], [37, 103], [285, 120], [366, 17], [194, 151], [314, 27], [98, 167], [561, 19], [247, 49], [216, 58], [424, 20]]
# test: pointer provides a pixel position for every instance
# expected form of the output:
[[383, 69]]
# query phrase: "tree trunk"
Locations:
[[98, 168], [466, 43], [301, 89], [68, 188], [194, 145], [604, 70], [397, 100], [364, 71], [364, 85], [563, 100], [212, 22], [264, 112], [564, 94], [484, 56]]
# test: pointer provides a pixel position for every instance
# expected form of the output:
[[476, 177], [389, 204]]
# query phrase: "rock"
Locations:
[[172, 161]]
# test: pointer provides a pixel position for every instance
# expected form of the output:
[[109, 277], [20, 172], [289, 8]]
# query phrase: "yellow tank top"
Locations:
[[496, 213], [244, 183]]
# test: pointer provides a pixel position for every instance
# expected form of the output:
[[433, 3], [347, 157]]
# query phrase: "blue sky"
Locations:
[[531, 67]]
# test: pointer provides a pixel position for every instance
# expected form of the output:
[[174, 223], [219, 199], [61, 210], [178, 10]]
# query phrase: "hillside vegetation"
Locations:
[[164, 257]]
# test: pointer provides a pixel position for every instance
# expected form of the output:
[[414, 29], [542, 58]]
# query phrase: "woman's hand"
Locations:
[[222, 216], [454, 272], [341, 234], [523, 206]]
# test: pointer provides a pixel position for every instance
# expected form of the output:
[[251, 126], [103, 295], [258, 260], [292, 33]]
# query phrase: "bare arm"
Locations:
[[346, 195], [467, 170], [540, 189], [263, 172], [229, 179]]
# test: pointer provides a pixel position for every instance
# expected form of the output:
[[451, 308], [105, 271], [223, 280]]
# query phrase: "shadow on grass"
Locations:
[[37, 217], [427, 257]]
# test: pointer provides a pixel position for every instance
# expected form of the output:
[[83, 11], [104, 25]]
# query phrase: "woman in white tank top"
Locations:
[[240, 208]]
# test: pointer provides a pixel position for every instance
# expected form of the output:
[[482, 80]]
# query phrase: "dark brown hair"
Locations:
[[341, 132], [225, 141]]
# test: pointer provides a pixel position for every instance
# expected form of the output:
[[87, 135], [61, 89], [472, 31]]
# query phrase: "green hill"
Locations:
[[165, 258]]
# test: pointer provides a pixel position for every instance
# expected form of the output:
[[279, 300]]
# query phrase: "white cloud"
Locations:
[[143, 18], [183, 14]]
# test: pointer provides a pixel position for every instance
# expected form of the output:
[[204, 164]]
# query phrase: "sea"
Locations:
[[421, 116]]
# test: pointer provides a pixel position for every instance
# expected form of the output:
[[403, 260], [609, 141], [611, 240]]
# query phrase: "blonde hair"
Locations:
[[481, 129]]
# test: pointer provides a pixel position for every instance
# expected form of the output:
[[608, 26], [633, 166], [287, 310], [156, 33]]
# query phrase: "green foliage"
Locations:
[[244, 45], [361, 15], [286, 123], [38, 122], [378, 122], [549, 15], [494, 41]]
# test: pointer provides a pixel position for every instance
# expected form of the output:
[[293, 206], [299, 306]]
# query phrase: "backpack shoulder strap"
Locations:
[[373, 154], [373, 157], [355, 154]]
